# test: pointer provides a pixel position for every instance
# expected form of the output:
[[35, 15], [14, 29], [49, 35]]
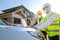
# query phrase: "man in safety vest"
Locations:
[[50, 23], [52, 28], [39, 16]]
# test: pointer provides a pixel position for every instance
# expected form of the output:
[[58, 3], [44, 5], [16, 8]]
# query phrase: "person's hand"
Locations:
[[43, 28], [33, 26]]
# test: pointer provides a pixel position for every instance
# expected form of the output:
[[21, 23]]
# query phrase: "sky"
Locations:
[[32, 5]]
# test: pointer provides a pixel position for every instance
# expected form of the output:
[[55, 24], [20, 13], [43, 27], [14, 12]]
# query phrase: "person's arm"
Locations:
[[52, 18], [41, 22]]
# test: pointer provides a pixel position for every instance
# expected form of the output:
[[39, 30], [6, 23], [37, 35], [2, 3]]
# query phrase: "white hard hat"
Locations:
[[46, 5]]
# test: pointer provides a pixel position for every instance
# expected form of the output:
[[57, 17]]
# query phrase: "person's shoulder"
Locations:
[[53, 13]]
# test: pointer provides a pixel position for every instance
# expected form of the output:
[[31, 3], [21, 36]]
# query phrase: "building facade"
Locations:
[[16, 16]]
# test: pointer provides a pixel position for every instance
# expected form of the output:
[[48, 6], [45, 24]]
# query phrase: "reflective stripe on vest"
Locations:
[[54, 25], [53, 30]]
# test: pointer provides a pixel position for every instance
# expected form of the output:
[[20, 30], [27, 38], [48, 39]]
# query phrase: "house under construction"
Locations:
[[16, 16]]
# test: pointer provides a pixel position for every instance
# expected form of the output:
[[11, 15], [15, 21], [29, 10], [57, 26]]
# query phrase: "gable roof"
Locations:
[[14, 9]]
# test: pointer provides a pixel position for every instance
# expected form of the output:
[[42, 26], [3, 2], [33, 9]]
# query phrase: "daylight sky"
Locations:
[[32, 5]]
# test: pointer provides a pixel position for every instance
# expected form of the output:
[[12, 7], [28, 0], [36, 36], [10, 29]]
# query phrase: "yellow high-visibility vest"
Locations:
[[53, 29]]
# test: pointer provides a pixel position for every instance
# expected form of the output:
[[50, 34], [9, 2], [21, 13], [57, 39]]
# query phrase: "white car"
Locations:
[[15, 33]]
